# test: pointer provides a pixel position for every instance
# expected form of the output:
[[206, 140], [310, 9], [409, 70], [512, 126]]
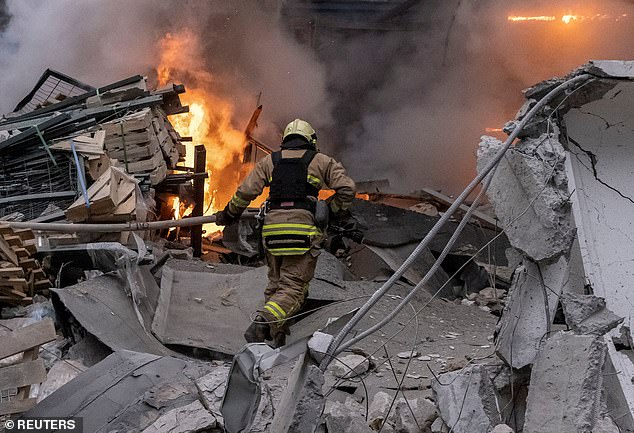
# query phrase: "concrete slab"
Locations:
[[207, 309], [102, 307], [599, 167], [586, 314], [127, 391], [209, 306], [611, 68], [389, 227], [466, 400], [525, 321], [566, 383], [530, 195]]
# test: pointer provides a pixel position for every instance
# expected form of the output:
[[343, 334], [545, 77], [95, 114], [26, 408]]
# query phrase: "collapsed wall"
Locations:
[[564, 196]]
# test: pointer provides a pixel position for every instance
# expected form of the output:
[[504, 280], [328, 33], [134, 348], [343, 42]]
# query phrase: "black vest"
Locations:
[[289, 184]]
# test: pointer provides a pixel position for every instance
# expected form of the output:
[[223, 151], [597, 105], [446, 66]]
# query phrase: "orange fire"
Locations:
[[515, 18], [566, 18], [208, 121]]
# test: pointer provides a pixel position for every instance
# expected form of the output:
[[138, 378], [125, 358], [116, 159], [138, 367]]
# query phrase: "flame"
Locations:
[[208, 121], [493, 130], [515, 18], [568, 18]]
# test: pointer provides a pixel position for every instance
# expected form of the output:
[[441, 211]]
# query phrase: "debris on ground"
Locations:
[[521, 325]]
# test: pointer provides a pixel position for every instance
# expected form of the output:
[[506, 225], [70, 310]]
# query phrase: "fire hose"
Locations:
[[131, 226], [335, 346]]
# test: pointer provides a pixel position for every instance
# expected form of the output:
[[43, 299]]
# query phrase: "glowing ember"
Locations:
[[536, 18], [567, 19], [493, 129]]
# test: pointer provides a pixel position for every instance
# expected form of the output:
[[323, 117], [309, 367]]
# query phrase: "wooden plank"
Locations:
[[16, 406], [42, 284], [11, 272], [16, 283], [28, 355], [5, 229], [135, 152], [21, 253], [114, 142], [28, 263], [131, 122], [7, 252], [25, 338], [147, 164], [30, 246], [16, 301], [13, 240], [24, 233], [22, 374], [14, 293]]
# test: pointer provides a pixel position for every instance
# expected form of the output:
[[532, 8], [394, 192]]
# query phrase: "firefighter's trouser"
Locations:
[[289, 277]]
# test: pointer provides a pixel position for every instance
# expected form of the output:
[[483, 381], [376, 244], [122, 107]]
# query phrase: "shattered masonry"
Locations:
[[146, 332]]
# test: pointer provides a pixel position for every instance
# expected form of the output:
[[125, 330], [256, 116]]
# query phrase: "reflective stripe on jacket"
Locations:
[[293, 231]]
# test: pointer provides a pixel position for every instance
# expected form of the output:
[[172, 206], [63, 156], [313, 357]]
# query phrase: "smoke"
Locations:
[[408, 104], [243, 46], [422, 98], [4, 15]]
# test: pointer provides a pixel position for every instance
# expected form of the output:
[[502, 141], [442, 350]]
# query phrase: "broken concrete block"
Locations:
[[611, 68], [587, 314], [318, 345], [524, 322], [303, 400], [424, 414], [378, 408], [211, 388], [529, 193], [467, 400], [190, 418], [349, 366], [345, 417], [605, 425], [566, 382], [439, 426], [502, 428]]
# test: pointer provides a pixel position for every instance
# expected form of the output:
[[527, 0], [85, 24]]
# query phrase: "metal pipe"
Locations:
[[438, 226], [132, 226]]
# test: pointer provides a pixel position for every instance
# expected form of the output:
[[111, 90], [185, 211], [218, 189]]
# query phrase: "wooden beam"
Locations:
[[22, 374], [28, 337], [16, 406], [200, 162]]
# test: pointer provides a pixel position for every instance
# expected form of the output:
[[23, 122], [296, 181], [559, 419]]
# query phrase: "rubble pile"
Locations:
[[564, 310], [522, 328]]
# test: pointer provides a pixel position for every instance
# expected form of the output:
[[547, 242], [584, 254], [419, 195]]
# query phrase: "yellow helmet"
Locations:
[[301, 128]]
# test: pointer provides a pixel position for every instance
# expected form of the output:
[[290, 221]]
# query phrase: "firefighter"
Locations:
[[290, 233]]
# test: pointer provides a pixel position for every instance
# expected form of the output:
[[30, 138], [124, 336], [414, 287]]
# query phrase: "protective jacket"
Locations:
[[289, 226]]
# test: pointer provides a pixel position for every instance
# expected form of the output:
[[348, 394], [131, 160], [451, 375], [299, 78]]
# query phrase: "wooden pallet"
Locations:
[[21, 276], [16, 379]]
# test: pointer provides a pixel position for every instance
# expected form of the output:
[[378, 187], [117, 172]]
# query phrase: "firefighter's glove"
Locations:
[[225, 218], [340, 218]]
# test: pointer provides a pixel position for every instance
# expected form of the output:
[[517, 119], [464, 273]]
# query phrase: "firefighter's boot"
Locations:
[[258, 331]]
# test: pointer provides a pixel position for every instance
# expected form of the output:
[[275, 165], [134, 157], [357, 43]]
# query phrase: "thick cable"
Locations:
[[438, 226], [432, 271], [131, 226]]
